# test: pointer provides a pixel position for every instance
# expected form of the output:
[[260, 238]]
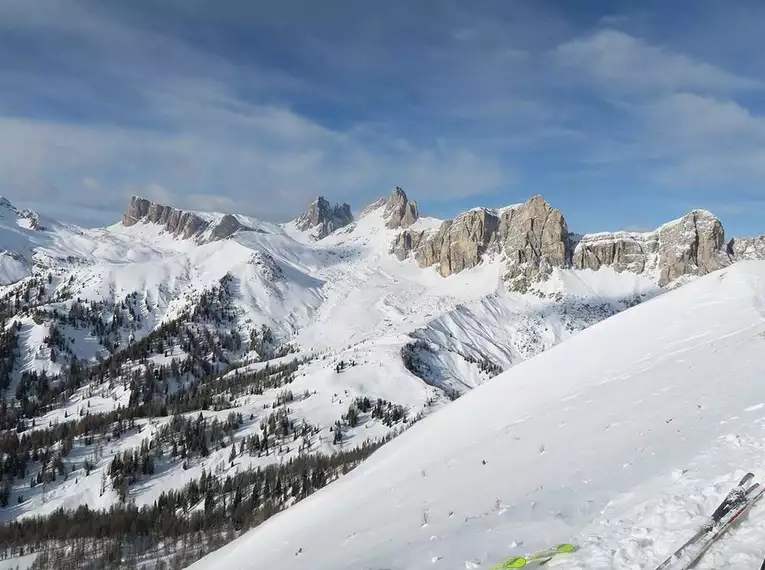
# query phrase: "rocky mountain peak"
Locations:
[[532, 236], [324, 218], [26, 218], [399, 210], [533, 239], [181, 224], [692, 245]]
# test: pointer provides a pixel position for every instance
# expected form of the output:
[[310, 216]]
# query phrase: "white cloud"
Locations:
[[691, 119], [621, 61], [265, 161], [195, 141], [702, 141], [671, 120]]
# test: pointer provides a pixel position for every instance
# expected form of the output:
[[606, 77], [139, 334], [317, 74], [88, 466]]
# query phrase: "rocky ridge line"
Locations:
[[533, 238], [181, 224]]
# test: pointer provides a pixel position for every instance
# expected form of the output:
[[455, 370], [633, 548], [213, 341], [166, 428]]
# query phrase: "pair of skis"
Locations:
[[737, 502], [541, 557]]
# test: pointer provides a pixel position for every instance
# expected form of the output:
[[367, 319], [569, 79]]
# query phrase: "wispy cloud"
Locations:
[[672, 118], [258, 107], [705, 142], [199, 130], [620, 61]]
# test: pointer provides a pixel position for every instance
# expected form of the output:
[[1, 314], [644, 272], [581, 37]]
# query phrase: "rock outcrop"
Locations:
[[533, 239], [532, 236], [397, 209], [692, 245], [459, 244], [747, 248], [181, 224], [624, 251], [400, 212], [322, 218]]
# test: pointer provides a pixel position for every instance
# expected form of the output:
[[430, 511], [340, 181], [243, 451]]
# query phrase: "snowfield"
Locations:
[[620, 440]]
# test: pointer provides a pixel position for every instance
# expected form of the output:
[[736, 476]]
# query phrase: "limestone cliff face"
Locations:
[[458, 244], [400, 212], [322, 218], [533, 239], [185, 225], [623, 251], [693, 245]]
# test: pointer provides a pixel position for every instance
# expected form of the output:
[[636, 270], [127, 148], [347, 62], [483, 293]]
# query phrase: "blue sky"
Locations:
[[622, 114]]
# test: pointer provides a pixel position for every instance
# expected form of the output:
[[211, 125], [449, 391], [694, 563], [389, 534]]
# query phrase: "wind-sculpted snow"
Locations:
[[617, 440]]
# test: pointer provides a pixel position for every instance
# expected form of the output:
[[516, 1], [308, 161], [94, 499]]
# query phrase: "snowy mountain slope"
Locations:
[[143, 359], [599, 429], [369, 293], [464, 347], [344, 299]]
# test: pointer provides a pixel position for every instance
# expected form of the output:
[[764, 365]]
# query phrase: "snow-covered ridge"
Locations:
[[341, 298], [178, 297], [203, 226], [621, 453], [533, 237]]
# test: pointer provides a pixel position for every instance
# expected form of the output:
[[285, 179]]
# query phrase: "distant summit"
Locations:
[[181, 224], [25, 218], [323, 218], [399, 211]]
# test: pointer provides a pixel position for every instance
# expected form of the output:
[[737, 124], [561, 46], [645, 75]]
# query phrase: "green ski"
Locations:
[[541, 557]]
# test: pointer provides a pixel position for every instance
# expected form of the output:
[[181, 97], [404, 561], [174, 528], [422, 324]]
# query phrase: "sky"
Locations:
[[622, 114]]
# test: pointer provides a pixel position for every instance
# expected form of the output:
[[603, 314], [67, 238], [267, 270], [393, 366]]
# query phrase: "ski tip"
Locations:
[[746, 478], [565, 548]]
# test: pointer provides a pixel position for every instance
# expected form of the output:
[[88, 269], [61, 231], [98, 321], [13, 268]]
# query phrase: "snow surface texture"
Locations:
[[620, 440]]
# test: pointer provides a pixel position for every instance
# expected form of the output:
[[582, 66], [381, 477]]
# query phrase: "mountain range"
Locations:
[[142, 360]]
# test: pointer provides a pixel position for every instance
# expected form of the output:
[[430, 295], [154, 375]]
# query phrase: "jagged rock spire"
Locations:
[[324, 218]]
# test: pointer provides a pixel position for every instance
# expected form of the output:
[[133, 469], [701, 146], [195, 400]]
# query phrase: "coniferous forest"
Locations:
[[186, 379]]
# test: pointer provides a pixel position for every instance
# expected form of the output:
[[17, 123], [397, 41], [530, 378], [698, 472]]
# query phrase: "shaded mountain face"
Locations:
[[322, 218]]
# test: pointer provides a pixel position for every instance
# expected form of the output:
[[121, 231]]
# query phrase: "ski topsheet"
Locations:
[[539, 558], [735, 504]]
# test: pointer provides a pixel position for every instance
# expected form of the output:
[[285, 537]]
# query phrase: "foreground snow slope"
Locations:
[[586, 443]]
